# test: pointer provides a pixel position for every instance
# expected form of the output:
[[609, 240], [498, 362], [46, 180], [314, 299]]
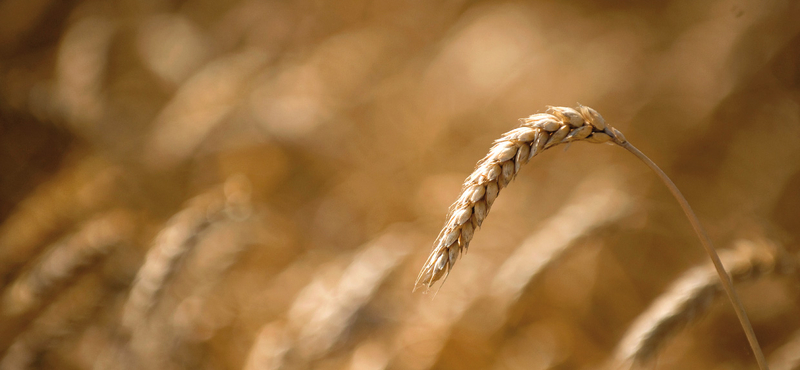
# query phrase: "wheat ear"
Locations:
[[320, 321], [67, 315], [495, 171], [687, 298], [173, 242], [181, 235], [69, 197], [65, 259], [724, 278]]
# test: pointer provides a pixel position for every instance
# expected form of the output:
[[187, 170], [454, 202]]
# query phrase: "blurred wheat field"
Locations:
[[255, 184]]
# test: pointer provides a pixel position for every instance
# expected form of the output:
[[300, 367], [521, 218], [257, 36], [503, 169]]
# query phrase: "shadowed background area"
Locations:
[[255, 184]]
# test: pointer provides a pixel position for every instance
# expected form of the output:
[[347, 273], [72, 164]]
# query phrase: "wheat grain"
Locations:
[[559, 125], [688, 298]]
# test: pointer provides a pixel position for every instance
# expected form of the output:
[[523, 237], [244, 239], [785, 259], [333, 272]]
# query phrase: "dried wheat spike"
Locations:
[[321, 321], [688, 298], [75, 192], [65, 317], [171, 244], [181, 234], [63, 260], [559, 125]]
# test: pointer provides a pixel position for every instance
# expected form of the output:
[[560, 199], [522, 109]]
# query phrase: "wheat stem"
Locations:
[[559, 125], [727, 285]]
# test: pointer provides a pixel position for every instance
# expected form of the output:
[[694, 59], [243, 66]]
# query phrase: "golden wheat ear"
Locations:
[[496, 170], [689, 297], [558, 125]]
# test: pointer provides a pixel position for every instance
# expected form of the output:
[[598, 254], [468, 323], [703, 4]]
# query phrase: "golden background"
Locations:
[[255, 184]]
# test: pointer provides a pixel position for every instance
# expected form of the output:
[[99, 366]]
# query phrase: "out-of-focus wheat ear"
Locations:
[[195, 318], [72, 310], [705, 240], [787, 356], [78, 190], [578, 216], [181, 234], [596, 202], [429, 324], [323, 310], [64, 259], [153, 340], [171, 244], [538, 132], [687, 298], [320, 321], [495, 171]]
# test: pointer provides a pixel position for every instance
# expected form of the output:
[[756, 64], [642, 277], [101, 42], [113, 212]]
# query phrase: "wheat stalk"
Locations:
[[687, 298], [495, 171]]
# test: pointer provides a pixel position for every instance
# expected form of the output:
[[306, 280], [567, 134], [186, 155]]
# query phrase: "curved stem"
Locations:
[[701, 233]]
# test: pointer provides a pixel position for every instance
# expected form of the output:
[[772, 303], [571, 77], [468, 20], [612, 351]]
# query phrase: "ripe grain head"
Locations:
[[688, 298], [559, 125]]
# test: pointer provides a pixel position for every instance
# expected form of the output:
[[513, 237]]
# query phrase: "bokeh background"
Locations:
[[255, 184]]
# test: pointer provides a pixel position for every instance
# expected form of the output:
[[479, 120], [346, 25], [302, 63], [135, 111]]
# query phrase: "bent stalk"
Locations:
[[727, 285], [559, 125]]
